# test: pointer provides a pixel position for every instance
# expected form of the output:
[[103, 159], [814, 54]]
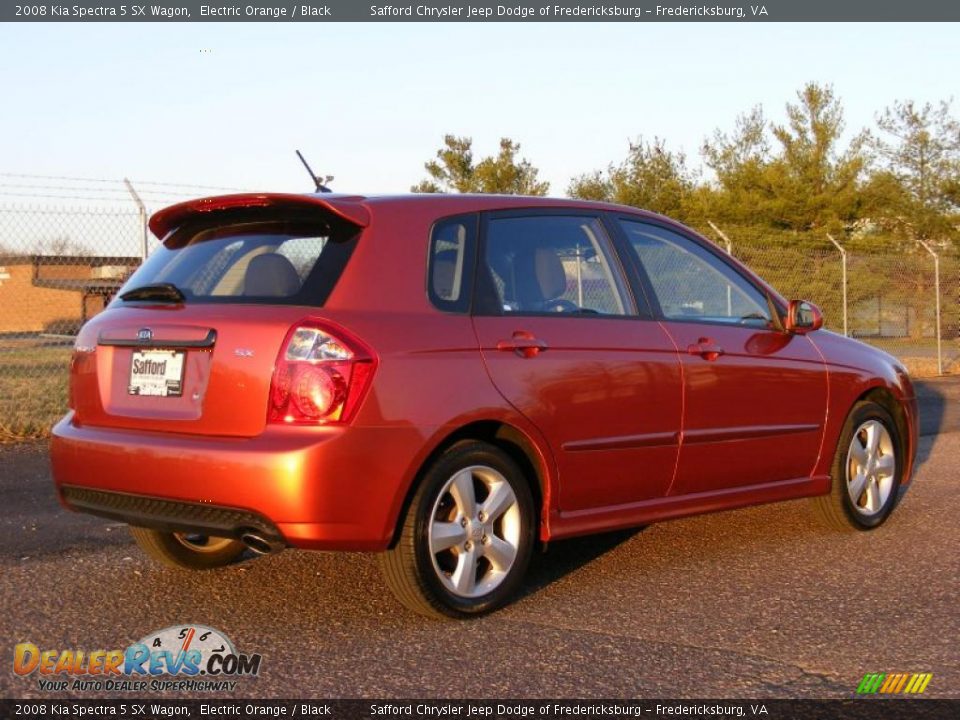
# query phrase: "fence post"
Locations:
[[729, 245], [142, 209], [723, 236], [936, 286], [843, 261]]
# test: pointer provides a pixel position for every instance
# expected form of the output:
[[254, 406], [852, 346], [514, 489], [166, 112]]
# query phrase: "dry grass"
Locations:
[[33, 391], [924, 367]]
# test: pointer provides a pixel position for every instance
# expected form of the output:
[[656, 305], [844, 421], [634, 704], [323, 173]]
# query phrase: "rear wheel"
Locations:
[[187, 550], [467, 538], [866, 471]]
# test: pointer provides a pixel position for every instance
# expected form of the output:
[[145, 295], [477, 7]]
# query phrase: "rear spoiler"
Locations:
[[347, 208]]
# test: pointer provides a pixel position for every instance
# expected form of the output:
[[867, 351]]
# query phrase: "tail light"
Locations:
[[320, 376]]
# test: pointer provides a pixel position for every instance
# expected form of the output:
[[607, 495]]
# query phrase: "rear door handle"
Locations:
[[524, 344], [705, 348]]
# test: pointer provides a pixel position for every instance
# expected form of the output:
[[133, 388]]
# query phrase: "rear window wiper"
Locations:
[[162, 292]]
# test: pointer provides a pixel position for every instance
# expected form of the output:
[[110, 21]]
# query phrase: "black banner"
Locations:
[[483, 11], [854, 709]]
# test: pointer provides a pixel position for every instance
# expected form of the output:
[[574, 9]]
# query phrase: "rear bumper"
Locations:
[[327, 488], [169, 515]]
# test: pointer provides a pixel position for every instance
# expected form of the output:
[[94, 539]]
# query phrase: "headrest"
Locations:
[[270, 275], [445, 274], [550, 274]]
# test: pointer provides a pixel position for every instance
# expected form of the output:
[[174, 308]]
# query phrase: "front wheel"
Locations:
[[186, 550], [866, 472], [467, 537]]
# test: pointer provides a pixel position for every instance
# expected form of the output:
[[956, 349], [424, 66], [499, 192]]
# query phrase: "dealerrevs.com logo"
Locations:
[[180, 657], [894, 683]]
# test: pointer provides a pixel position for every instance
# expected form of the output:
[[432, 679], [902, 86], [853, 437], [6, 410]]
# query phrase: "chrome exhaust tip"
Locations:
[[261, 545]]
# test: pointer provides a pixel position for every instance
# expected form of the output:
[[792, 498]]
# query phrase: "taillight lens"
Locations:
[[320, 377]]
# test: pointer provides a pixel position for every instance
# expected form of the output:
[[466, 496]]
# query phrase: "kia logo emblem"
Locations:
[[145, 334]]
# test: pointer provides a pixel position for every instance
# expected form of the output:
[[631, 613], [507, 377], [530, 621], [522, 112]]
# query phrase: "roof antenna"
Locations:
[[316, 178]]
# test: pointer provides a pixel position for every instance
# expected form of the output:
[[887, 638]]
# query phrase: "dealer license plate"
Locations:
[[156, 372]]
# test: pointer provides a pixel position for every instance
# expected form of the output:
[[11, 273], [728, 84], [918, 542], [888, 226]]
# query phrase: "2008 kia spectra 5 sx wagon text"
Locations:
[[450, 380]]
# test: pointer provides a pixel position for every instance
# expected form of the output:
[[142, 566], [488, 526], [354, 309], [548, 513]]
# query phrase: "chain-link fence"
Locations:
[[58, 267], [66, 246], [63, 257], [904, 300]]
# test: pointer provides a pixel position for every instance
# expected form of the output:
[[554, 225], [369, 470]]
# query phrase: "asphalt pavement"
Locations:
[[760, 602]]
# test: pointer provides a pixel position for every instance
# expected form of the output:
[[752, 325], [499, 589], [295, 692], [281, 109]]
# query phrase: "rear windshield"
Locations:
[[260, 261]]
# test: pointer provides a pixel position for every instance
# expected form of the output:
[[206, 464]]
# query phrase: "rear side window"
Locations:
[[285, 261], [451, 264]]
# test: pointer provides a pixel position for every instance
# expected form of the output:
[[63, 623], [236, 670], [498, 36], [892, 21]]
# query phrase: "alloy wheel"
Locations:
[[474, 531], [871, 466]]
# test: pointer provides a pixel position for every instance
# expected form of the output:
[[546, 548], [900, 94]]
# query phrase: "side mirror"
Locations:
[[803, 317]]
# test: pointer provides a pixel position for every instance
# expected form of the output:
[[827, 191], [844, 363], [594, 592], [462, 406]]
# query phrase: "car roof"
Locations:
[[357, 208], [486, 201]]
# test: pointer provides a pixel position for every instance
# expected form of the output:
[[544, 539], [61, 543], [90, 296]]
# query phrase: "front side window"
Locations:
[[553, 264], [690, 282]]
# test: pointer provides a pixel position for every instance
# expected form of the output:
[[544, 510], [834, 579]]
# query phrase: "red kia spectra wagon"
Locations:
[[449, 380]]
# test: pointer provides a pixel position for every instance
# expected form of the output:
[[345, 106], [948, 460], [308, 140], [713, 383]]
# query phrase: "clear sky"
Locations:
[[226, 104]]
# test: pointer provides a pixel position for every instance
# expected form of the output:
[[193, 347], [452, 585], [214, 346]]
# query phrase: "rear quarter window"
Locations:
[[256, 261], [450, 267]]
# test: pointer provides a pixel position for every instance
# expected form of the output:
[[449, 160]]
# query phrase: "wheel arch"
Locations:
[[521, 448], [833, 507], [885, 398]]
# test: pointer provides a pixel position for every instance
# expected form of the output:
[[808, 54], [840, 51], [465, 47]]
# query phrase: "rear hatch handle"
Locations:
[[144, 340]]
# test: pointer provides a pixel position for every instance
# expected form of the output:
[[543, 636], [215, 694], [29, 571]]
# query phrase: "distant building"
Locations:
[[57, 294]]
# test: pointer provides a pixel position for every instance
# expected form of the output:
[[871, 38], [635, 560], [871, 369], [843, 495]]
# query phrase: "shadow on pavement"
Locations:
[[932, 401], [939, 404], [565, 556]]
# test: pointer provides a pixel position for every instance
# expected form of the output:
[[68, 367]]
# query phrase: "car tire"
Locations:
[[467, 536], [188, 552], [866, 471]]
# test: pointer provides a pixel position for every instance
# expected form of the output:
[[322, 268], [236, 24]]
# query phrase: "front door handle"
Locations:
[[705, 348], [524, 344]]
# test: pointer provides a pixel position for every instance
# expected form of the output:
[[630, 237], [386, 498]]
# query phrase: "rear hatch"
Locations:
[[190, 342]]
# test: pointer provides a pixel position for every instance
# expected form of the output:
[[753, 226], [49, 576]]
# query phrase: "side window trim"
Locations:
[[644, 298], [485, 301], [707, 246]]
